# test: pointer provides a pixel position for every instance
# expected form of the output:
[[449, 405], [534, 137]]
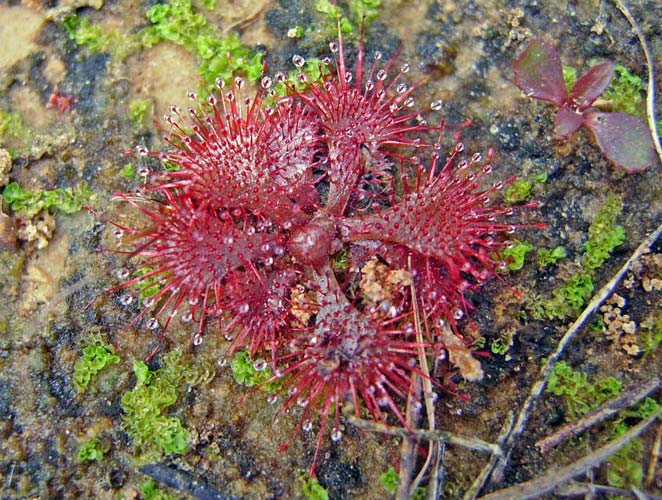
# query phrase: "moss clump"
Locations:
[[389, 481], [138, 111], [95, 358], [149, 491], [515, 254], [549, 256], [11, 126], [84, 34], [312, 489], [90, 451], [650, 335], [177, 22], [517, 192], [580, 395], [566, 300], [625, 466], [67, 200], [152, 431], [624, 92], [604, 235], [251, 373]]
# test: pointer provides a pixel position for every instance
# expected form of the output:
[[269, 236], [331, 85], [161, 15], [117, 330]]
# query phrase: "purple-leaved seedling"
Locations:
[[624, 139]]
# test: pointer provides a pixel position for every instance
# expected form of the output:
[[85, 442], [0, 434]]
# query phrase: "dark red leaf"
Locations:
[[538, 73], [567, 122], [624, 139], [591, 85]]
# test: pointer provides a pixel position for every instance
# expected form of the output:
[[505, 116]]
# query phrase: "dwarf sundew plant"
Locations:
[[308, 230]]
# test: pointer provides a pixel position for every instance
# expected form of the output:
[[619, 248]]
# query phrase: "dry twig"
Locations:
[[495, 468], [557, 476], [627, 399]]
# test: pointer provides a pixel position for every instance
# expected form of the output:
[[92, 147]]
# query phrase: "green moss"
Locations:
[[603, 234], [650, 334], [580, 395], [147, 287], [312, 489], [245, 373], [153, 432], [364, 9], [67, 201], [11, 126], [95, 358], [84, 34], [92, 450], [179, 23], [549, 256], [624, 93], [565, 300], [332, 12], [127, 171], [149, 491], [515, 254], [341, 260], [389, 481], [569, 76], [138, 111], [517, 192], [625, 466]]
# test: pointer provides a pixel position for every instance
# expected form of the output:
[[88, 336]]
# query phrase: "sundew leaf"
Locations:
[[591, 85], [538, 73], [624, 139]]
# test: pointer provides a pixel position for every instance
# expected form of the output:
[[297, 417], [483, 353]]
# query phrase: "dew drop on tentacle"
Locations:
[[125, 299], [307, 426], [334, 47], [152, 324], [336, 435], [436, 105], [404, 68], [197, 339], [259, 365], [298, 61], [266, 82]]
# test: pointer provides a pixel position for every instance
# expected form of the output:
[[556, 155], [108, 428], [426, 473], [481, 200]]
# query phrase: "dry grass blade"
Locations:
[[650, 93]]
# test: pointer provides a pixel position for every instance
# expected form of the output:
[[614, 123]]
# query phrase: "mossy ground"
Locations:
[[465, 54]]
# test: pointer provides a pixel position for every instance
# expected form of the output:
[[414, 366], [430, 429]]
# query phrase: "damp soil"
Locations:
[[53, 301]]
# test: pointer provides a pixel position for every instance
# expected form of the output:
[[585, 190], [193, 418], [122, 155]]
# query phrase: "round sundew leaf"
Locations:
[[567, 122], [591, 85], [538, 73], [624, 139]]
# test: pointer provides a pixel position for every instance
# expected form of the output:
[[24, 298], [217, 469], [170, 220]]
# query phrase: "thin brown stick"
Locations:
[[434, 447], [496, 468], [557, 476], [451, 438], [576, 488], [655, 457], [479, 481], [628, 398], [409, 443], [650, 92]]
